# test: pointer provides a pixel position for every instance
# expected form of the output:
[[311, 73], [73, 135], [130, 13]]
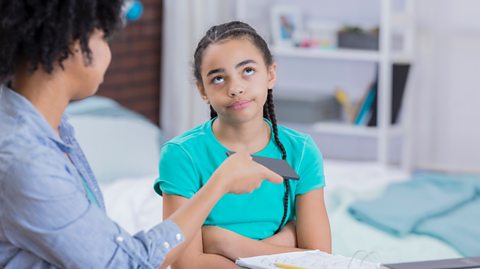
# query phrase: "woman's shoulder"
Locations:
[[24, 155]]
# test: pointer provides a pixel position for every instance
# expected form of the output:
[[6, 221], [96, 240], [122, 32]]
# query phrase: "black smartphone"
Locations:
[[278, 166]]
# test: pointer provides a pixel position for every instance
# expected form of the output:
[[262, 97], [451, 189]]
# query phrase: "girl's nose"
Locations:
[[236, 90]]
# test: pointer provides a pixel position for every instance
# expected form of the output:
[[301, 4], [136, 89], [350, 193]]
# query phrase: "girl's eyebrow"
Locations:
[[214, 71], [242, 63], [222, 70]]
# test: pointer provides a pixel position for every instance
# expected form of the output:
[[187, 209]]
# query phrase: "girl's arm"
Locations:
[[237, 174], [313, 227], [229, 244], [287, 237], [192, 255], [312, 232]]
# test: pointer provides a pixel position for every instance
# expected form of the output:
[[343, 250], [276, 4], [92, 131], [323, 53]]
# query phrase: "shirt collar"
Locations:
[[21, 108]]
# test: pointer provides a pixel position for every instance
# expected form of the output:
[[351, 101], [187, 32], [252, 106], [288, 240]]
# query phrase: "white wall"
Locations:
[[185, 23], [446, 91]]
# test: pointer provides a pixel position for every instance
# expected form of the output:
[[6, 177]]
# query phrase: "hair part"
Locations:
[[40, 32]]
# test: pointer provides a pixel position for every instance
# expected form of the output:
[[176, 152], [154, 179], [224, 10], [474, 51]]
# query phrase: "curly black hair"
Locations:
[[39, 32]]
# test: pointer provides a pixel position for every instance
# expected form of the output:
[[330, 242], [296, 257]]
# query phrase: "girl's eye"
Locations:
[[217, 80], [249, 71]]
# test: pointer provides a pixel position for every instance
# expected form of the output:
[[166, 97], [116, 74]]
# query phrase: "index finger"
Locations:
[[271, 176]]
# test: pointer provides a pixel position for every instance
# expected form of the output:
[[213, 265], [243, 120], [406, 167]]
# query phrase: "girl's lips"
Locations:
[[239, 104]]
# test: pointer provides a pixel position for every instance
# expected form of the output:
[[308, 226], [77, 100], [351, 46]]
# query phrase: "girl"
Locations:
[[52, 213], [235, 74]]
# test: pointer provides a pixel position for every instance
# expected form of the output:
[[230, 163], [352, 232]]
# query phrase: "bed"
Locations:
[[123, 149]]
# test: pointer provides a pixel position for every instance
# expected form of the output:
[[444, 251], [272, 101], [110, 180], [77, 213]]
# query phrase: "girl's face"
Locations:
[[236, 80], [88, 77]]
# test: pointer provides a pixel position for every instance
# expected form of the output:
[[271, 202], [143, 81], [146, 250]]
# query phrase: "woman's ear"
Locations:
[[76, 54], [272, 75]]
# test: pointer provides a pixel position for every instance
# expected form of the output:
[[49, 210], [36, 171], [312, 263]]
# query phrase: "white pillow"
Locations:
[[132, 203], [118, 147]]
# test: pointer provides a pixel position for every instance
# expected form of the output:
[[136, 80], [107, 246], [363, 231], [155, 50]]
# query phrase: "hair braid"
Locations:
[[271, 116], [265, 111], [213, 113]]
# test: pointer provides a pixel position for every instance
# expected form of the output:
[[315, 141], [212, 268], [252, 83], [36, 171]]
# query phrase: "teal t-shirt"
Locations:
[[188, 161]]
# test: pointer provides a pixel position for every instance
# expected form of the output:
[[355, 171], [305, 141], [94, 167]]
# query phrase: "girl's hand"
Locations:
[[287, 237], [240, 174]]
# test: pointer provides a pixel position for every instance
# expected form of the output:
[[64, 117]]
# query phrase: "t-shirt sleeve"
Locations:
[[177, 174], [311, 168]]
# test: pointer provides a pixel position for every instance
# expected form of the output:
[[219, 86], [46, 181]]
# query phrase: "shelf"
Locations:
[[344, 129], [396, 42], [339, 128], [336, 54]]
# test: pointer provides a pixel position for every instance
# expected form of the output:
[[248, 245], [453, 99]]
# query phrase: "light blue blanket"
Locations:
[[440, 205]]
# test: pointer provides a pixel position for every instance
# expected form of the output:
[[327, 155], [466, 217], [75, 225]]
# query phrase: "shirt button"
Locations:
[[166, 245], [119, 239], [178, 237]]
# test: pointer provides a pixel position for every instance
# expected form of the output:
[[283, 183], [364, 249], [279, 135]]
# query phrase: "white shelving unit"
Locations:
[[389, 22]]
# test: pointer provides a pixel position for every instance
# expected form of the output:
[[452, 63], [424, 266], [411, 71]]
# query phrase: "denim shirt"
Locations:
[[46, 219]]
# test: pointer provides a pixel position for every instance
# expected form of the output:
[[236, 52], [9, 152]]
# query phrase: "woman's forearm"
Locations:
[[192, 215]]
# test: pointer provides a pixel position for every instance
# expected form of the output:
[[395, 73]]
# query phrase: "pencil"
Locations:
[[287, 266]]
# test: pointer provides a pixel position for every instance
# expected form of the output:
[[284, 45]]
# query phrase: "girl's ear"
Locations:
[[201, 90], [272, 75]]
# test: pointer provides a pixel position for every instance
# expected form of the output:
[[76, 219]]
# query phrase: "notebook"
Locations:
[[463, 263], [311, 259]]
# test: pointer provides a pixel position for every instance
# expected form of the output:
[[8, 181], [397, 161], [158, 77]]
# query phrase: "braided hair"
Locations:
[[240, 30], [40, 32]]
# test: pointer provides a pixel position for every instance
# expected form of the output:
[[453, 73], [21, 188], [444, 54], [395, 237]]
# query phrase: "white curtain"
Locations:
[[185, 22], [446, 88]]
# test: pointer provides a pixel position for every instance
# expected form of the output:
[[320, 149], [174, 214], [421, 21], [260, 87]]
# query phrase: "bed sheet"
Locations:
[[348, 182], [134, 205]]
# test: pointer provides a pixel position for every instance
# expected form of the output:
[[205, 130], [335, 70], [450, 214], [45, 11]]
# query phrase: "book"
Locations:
[[310, 259], [347, 108], [399, 81], [366, 104]]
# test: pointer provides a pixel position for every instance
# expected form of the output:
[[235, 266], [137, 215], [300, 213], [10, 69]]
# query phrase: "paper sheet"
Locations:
[[313, 259]]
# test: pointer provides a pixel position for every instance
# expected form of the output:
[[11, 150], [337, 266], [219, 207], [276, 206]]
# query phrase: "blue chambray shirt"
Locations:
[[46, 220]]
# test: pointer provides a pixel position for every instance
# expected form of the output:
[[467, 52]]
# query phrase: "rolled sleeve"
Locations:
[[167, 235]]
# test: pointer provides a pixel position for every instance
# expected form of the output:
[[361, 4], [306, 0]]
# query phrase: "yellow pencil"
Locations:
[[287, 266]]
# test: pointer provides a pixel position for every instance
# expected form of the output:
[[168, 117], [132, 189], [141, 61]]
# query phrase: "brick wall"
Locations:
[[133, 78]]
